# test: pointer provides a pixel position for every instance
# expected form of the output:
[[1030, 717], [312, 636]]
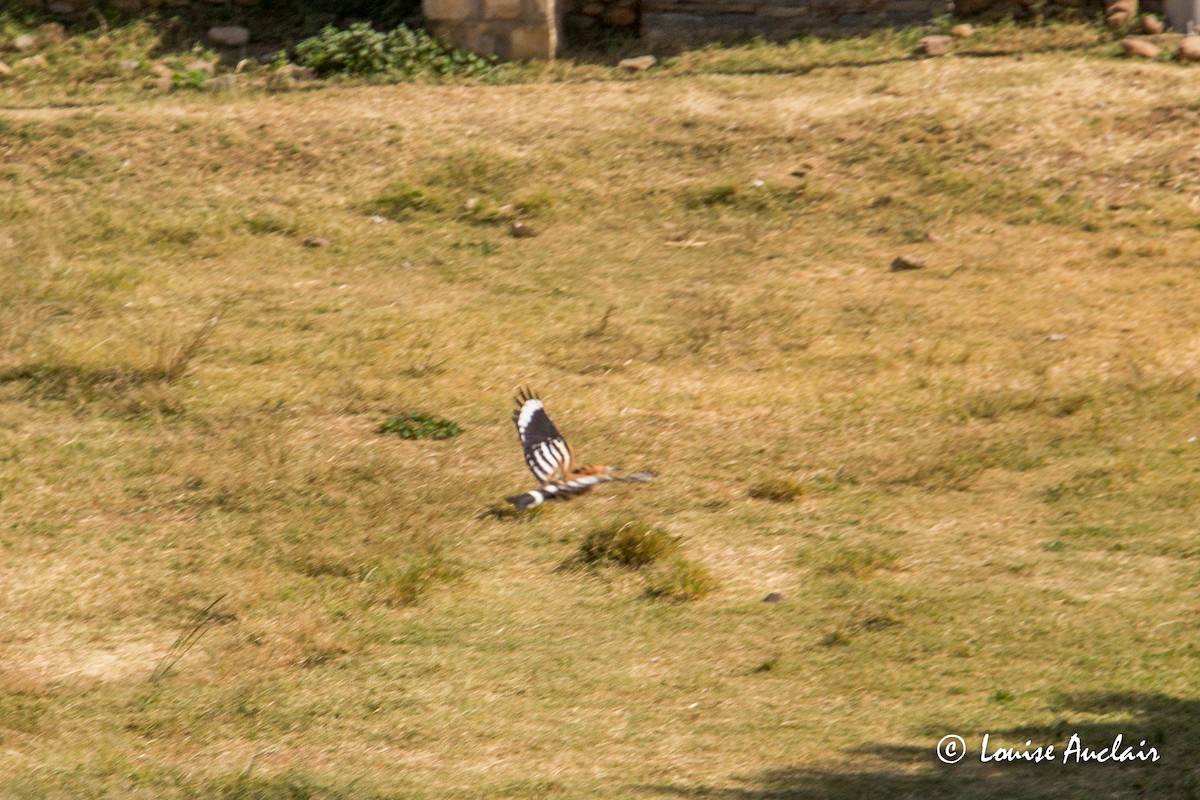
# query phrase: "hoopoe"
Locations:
[[551, 459]]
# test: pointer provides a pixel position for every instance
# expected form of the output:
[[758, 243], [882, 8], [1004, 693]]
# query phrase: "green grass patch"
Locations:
[[406, 583], [777, 490], [842, 559], [419, 425], [628, 544], [680, 580]]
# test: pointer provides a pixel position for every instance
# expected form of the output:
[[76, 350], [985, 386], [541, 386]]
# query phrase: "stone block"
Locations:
[[620, 17], [484, 39], [453, 34], [532, 42], [1189, 48], [502, 9], [541, 9], [451, 9], [1139, 48]]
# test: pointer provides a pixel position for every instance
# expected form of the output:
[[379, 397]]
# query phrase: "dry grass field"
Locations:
[[973, 484]]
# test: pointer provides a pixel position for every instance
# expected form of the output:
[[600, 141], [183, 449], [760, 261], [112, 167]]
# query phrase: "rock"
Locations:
[[470, 204], [316, 241], [935, 45], [1189, 48], [902, 263], [1057, 337], [520, 230], [52, 33], [287, 76], [1139, 47], [61, 7], [1152, 25], [229, 35], [295, 72], [773, 597], [639, 64], [620, 17], [130, 65], [31, 61], [962, 30], [24, 43], [5, 69], [1121, 13], [200, 65], [1118, 20]]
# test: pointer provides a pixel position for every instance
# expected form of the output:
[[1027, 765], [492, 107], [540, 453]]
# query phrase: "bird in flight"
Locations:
[[551, 459]]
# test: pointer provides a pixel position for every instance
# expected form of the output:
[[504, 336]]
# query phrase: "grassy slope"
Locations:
[[996, 534]]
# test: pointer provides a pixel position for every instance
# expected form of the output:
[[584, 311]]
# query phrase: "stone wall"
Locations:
[[583, 19], [68, 7], [531, 29], [511, 29], [692, 20]]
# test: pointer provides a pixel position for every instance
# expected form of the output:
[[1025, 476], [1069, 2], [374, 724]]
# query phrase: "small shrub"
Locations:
[[717, 194], [629, 544], [535, 203], [835, 638], [402, 199], [189, 79], [680, 581], [420, 426], [269, 226], [756, 198], [777, 490], [401, 53]]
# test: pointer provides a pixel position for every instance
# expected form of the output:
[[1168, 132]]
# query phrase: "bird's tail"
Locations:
[[640, 477], [527, 500]]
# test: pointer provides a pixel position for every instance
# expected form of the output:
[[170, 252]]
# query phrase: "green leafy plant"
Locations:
[[189, 79], [401, 53]]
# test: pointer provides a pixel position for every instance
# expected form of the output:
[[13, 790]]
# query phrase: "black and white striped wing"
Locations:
[[546, 452]]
